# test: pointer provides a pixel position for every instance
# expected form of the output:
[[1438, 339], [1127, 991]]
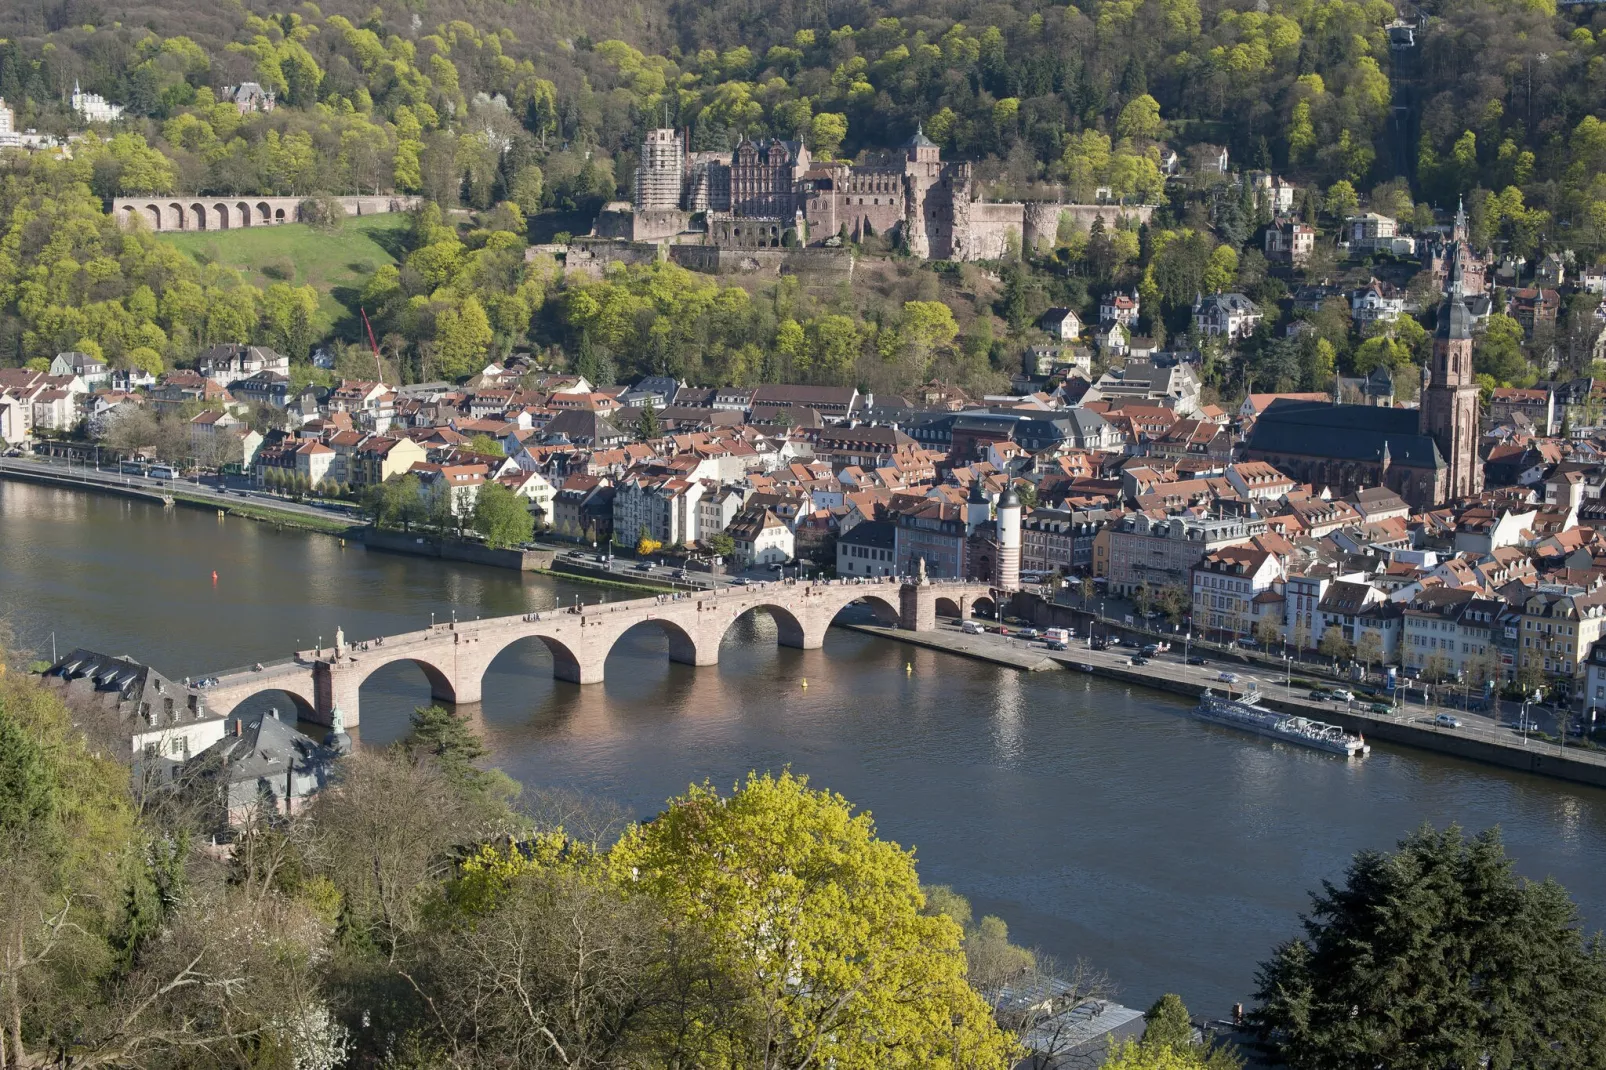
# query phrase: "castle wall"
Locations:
[[591, 256], [991, 226], [714, 260]]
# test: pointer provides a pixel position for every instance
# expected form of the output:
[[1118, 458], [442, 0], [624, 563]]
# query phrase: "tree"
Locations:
[[1141, 119], [1368, 649], [321, 213], [463, 335], [501, 517], [486, 445], [1173, 602], [646, 545], [1335, 646], [1341, 200], [1267, 631], [720, 544], [1436, 954], [648, 427], [826, 133], [819, 926], [1134, 1056]]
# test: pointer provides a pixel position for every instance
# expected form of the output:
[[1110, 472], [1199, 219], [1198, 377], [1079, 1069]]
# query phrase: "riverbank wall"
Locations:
[[66, 482], [1537, 758], [400, 542]]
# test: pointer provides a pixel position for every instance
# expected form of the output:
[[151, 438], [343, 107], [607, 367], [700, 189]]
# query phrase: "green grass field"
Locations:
[[335, 263]]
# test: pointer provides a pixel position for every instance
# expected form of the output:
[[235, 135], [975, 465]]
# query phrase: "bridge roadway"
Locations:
[[455, 655]]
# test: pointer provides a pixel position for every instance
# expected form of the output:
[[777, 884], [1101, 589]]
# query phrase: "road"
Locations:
[[210, 491], [1174, 665]]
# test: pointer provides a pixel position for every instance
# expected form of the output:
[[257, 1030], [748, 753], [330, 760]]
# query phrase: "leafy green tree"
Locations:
[[819, 926], [720, 544], [1435, 954], [502, 517], [486, 445]]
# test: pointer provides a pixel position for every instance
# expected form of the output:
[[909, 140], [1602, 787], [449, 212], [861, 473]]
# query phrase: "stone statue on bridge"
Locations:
[[920, 571], [340, 641]]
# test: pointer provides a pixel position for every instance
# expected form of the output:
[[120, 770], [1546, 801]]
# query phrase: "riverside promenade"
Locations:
[[1477, 739]]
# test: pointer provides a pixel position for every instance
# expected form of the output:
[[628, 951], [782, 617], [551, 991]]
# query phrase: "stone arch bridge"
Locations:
[[455, 656]]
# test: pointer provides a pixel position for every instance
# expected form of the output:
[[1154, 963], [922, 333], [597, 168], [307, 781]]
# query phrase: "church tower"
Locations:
[[1449, 407]]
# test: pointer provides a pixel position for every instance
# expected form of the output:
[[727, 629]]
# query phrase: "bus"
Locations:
[[162, 471], [131, 468]]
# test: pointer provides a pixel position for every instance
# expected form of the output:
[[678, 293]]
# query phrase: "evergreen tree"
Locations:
[[1436, 955], [649, 428]]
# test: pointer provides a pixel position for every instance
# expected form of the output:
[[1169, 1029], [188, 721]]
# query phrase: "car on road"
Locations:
[[1227, 677], [1524, 724], [1113, 640], [1380, 707], [1058, 644], [1340, 695], [679, 574], [643, 566], [1197, 659], [1137, 659], [1318, 695], [1149, 650], [1444, 720], [740, 581], [970, 627], [1099, 644], [1027, 633]]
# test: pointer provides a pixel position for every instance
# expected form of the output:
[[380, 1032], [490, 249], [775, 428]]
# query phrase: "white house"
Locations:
[[761, 538], [1231, 316], [1062, 323]]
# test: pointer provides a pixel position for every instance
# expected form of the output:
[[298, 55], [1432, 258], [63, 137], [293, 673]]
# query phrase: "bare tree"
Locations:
[[388, 827]]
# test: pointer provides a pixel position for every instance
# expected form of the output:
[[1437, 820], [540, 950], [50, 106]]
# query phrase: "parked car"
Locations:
[[740, 581], [970, 627], [1248, 644], [1196, 659], [1444, 720], [1227, 677]]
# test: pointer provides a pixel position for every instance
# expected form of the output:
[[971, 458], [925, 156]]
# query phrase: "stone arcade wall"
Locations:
[[192, 212]]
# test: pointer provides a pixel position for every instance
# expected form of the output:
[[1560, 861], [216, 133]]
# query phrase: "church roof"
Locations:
[[920, 140], [1344, 433]]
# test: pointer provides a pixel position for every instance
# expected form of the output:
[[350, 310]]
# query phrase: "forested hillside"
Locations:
[[541, 107]]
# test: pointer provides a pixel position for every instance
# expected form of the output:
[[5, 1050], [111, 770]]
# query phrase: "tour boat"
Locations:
[[1245, 713]]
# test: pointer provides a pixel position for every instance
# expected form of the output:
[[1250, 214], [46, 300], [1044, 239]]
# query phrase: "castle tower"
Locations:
[[661, 171], [1009, 540], [1458, 229], [1449, 407]]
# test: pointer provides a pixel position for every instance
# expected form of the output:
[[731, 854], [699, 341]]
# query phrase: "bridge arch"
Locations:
[[244, 211], [683, 646], [221, 212], [565, 665], [285, 700], [265, 212], [983, 606], [789, 629], [198, 210], [155, 212], [947, 607], [176, 216], [884, 609], [441, 685]]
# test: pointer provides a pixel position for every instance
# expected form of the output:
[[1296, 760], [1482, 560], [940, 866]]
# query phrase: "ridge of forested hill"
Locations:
[[521, 110]]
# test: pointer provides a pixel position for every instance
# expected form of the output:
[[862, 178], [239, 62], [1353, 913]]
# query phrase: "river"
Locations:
[[1097, 820]]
